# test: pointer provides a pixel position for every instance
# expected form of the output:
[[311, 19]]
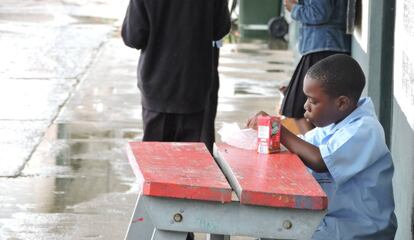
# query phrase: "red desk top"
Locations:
[[178, 170], [279, 180]]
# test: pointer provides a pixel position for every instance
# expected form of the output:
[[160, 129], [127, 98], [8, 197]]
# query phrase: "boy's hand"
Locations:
[[252, 121], [289, 4]]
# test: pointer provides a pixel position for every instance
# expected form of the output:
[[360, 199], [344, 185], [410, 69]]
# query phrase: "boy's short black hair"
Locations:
[[340, 75]]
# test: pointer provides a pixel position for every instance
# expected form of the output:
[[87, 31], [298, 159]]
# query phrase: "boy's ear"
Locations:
[[343, 103]]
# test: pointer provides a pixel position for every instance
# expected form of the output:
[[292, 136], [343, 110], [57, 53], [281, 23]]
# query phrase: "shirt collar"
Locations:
[[365, 107]]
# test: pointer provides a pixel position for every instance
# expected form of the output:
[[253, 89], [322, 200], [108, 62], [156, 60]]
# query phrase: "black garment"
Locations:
[[172, 127], [175, 38], [208, 131], [294, 100]]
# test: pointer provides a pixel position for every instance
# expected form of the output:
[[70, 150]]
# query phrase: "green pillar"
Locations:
[[381, 42]]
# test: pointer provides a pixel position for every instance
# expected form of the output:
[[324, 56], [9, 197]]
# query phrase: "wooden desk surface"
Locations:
[[178, 170], [278, 180]]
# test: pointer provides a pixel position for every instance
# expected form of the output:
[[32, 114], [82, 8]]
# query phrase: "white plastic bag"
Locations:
[[242, 138]]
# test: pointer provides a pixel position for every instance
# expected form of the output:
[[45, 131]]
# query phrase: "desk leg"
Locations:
[[140, 226], [168, 235], [217, 237]]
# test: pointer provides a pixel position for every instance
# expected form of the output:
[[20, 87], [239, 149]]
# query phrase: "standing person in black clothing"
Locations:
[[175, 71], [208, 132]]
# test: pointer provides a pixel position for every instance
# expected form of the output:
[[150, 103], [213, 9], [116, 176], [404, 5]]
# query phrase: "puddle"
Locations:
[[78, 172], [27, 17], [93, 20], [278, 44], [257, 71], [68, 169], [254, 52], [275, 70], [271, 43], [96, 130]]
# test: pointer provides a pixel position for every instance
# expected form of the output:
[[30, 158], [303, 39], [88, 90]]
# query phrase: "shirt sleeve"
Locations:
[[135, 28], [222, 21], [353, 149], [312, 11], [313, 136]]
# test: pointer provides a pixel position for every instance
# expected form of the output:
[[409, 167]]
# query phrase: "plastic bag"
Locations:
[[242, 138]]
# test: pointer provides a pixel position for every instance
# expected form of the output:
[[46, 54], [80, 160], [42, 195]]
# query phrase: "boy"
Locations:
[[346, 152]]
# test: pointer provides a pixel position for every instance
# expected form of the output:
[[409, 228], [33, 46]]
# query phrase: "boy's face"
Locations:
[[321, 109]]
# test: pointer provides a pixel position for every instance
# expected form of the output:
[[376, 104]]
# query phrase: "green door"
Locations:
[[254, 16]]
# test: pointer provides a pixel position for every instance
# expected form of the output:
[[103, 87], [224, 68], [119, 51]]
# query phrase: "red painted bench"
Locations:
[[178, 170], [184, 189], [276, 180]]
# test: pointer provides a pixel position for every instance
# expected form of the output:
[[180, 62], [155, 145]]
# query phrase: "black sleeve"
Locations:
[[222, 22], [135, 28]]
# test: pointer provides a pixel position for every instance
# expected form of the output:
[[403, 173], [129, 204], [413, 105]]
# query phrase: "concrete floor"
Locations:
[[66, 175]]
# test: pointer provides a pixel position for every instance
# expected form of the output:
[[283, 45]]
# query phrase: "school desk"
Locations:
[[238, 193]]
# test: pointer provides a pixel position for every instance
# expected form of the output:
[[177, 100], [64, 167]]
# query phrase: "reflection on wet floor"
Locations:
[[77, 173], [253, 69], [93, 20], [28, 17], [80, 168]]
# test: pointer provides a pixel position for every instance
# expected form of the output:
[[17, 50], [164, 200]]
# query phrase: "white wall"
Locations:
[[403, 118]]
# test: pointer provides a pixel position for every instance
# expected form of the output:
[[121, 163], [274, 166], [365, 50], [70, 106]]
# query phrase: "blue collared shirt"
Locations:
[[323, 26], [359, 181]]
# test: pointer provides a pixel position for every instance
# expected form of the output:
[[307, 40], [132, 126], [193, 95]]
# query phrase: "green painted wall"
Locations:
[[377, 60]]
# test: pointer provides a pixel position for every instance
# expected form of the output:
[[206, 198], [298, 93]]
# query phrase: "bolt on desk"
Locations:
[[184, 189]]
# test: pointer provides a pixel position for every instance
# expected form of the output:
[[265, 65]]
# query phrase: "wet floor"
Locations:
[[76, 105]]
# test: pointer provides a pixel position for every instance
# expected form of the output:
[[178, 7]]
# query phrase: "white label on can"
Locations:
[[263, 132]]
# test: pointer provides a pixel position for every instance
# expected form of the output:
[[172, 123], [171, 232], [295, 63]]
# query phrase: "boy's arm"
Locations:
[[310, 154], [312, 11], [135, 28]]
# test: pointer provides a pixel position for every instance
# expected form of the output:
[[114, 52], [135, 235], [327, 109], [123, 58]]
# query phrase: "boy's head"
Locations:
[[333, 87]]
